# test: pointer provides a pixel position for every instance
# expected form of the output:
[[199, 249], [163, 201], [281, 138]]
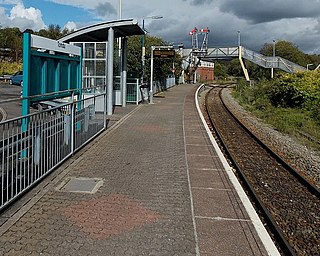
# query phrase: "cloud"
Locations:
[[259, 21], [265, 11], [10, 1], [104, 9], [23, 18], [198, 2], [70, 25]]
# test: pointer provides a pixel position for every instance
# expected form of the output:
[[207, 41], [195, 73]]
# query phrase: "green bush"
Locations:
[[290, 103], [8, 68], [296, 90], [254, 96]]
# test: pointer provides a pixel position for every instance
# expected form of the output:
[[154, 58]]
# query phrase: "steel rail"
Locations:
[[311, 187], [278, 234]]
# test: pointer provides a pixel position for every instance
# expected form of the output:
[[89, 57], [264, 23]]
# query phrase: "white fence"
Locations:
[[28, 155], [159, 86], [31, 151]]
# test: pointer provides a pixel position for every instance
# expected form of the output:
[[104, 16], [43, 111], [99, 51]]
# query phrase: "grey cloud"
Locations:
[[104, 9], [199, 2], [260, 11], [317, 26]]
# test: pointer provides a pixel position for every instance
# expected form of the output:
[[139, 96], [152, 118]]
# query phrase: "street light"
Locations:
[[119, 17], [274, 55], [155, 17], [274, 48], [120, 10], [308, 65]]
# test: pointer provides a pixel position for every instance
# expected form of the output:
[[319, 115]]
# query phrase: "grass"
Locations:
[[292, 121]]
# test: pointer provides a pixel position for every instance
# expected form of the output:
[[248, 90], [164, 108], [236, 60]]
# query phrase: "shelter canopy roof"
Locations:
[[99, 32]]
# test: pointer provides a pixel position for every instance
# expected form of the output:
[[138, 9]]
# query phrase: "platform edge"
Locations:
[[258, 225]]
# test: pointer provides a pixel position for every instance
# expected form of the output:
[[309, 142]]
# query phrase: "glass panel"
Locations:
[[88, 69], [100, 68], [88, 82], [116, 83], [84, 82], [89, 50], [100, 82], [101, 50]]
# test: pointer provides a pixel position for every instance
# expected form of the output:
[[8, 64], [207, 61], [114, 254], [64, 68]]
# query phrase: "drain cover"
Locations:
[[81, 185]]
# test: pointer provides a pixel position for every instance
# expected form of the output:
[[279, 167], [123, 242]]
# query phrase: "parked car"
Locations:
[[17, 78]]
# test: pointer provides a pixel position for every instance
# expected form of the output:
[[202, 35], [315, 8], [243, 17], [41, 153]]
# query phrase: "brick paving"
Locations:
[[164, 193]]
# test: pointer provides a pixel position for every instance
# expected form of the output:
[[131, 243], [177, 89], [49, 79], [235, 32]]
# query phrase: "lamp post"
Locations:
[[119, 18], [155, 17], [273, 55], [308, 65], [120, 10], [239, 38], [170, 47]]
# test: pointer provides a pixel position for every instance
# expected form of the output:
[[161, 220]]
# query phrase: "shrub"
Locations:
[[296, 90], [8, 68], [290, 103]]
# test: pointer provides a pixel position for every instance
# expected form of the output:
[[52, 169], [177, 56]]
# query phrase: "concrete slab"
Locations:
[[214, 238]]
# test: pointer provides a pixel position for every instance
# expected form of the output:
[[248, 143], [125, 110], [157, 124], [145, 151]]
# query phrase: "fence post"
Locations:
[[105, 109], [137, 91], [151, 77], [73, 107]]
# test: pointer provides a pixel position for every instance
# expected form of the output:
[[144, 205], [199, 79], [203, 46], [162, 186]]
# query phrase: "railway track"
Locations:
[[289, 204]]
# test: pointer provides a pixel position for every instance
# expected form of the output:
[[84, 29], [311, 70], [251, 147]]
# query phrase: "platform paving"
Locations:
[[162, 191]]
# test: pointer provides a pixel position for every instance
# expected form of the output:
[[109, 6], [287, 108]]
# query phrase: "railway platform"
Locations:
[[152, 184]]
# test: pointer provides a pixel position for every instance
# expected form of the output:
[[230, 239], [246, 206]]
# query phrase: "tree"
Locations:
[[220, 71], [53, 32], [162, 67], [234, 68], [11, 42]]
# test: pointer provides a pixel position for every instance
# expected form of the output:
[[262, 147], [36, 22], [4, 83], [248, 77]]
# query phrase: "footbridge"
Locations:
[[241, 52]]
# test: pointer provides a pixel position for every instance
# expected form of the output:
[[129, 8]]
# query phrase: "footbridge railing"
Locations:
[[222, 53], [271, 62], [255, 57]]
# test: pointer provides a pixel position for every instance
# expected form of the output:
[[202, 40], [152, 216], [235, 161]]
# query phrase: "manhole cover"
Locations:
[[81, 185]]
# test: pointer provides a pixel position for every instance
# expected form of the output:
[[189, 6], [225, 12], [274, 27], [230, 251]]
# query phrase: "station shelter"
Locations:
[[98, 44]]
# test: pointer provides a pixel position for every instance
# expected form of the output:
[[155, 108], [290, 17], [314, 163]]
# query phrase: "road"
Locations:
[[10, 109]]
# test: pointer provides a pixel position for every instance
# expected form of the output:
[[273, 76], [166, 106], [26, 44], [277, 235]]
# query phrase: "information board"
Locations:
[[164, 53]]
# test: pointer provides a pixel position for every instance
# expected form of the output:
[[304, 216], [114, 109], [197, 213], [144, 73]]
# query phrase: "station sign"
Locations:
[[53, 45], [164, 53]]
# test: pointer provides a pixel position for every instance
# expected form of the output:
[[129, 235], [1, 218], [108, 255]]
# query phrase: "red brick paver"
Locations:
[[151, 162]]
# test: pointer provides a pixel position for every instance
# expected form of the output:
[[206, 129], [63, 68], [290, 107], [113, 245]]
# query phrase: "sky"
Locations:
[[256, 21]]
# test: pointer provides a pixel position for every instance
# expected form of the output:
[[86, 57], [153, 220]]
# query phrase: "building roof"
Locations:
[[99, 32]]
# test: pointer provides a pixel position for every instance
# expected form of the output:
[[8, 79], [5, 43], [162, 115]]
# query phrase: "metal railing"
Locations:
[[160, 86], [222, 52], [271, 62], [134, 95], [28, 154], [133, 91], [255, 57]]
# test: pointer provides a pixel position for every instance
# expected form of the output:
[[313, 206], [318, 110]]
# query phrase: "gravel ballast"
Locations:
[[303, 159]]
